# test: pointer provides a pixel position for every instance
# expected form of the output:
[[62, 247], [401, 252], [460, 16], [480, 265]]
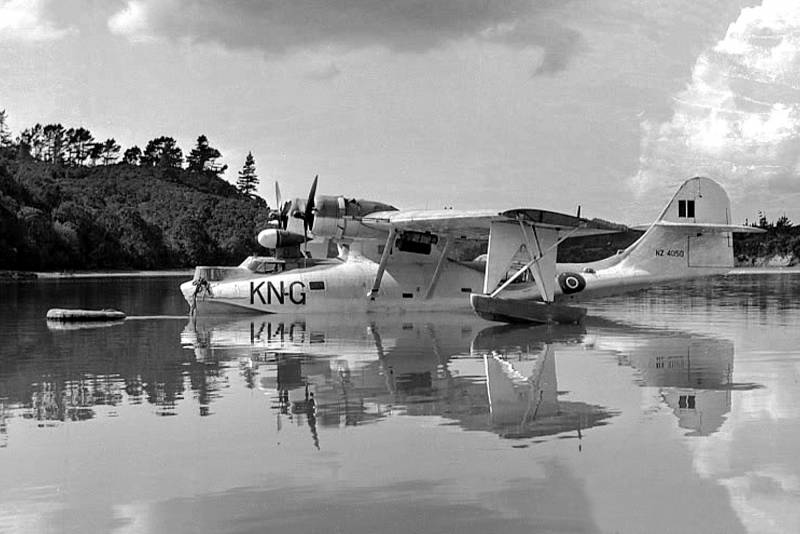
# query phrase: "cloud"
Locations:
[[738, 120], [132, 22], [24, 20], [558, 43], [277, 27]]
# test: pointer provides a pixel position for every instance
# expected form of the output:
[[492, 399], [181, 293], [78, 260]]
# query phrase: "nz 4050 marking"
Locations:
[[673, 252]]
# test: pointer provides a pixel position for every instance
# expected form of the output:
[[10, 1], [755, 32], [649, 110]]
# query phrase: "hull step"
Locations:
[[524, 311]]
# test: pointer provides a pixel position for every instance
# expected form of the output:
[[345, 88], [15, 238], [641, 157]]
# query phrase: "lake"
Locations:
[[672, 410]]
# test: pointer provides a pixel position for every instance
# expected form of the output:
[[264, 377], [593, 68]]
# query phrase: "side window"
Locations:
[[690, 208], [681, 208]]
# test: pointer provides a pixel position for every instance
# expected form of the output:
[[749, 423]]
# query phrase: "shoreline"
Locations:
[[21, 276], [765, 270]]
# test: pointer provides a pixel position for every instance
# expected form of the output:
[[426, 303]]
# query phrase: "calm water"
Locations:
[[677, 410]]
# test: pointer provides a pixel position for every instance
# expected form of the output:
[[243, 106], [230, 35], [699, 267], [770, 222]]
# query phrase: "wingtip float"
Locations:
[[78, 315]]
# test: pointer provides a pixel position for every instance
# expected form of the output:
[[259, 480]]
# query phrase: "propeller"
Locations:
[[281, 211], [308, 216]]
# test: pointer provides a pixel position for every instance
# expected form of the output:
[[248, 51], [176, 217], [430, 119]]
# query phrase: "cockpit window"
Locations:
[[262, 265]]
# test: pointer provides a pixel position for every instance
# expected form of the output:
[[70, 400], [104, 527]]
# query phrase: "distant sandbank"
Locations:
[[117, 274], [27, 275], [766, 270]]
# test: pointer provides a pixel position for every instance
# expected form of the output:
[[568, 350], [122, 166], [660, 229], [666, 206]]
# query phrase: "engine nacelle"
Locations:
[[276, 238], [340, 217]]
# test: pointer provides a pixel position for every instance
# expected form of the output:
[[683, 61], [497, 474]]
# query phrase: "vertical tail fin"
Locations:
[[691, 237], [698, 200]]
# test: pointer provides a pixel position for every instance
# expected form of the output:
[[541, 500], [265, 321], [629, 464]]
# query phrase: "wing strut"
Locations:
[[542, 248], [387, 250], [438, 271]]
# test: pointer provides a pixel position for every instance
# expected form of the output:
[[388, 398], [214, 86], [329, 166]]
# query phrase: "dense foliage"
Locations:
[[782, 240], [596, 247], [56, 216]]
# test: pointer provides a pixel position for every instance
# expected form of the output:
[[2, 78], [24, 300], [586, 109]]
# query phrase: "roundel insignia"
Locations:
[[571, 283]]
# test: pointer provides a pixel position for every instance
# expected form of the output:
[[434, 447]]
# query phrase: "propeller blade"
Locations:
[[308, 216], [284, 214], [281, 208]]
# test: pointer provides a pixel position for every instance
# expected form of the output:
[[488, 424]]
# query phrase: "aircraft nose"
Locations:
[[187, 289]]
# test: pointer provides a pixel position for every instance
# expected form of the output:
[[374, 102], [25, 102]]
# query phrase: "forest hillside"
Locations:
[[120, 216]]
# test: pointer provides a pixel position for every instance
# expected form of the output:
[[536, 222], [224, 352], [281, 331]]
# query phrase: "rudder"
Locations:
[[691, 236]]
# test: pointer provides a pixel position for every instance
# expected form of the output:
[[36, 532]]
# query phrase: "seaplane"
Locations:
[[392, 260]]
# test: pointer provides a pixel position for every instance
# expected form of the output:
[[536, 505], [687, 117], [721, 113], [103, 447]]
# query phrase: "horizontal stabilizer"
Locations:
[[704, 227]]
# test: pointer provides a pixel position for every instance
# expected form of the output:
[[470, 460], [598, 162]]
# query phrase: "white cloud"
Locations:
[[132, 22], [738, 120], [23, 20]]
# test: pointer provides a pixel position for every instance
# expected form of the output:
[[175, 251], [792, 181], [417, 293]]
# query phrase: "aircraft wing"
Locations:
[[476, 224], [538, 231]]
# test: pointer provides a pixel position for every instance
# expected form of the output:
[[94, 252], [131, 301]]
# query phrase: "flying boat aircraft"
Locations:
[[402, 260]]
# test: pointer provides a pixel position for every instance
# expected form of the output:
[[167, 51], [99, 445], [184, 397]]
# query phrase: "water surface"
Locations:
[[673, 410]]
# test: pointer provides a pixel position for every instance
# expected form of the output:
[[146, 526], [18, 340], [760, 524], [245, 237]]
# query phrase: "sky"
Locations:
[[550, 104]]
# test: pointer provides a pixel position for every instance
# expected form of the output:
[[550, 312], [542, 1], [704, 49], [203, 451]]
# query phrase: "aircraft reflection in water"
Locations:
[[500, 378], [694, 374], [521, 383]]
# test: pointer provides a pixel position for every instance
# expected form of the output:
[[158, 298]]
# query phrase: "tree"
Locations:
[[762, 221], [132, 155], [79, 144], [5, 132], [95, 152], [203, 158], [783, 222], [31, 140], [248, 179], [54, 143], [110, 151], [162, 152]]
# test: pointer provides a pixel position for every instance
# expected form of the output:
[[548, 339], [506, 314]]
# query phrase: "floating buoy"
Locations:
[[63, 314]]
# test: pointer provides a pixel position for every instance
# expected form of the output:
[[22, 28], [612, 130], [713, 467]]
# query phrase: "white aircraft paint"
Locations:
[[691, 238]]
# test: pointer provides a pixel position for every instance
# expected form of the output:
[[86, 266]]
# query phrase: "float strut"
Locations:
[[387, 250]]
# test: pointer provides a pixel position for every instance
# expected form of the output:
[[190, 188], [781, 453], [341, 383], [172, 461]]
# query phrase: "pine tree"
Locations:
[[203, 158], [5, 132], [248, 179], [110, 151], [95, 153], [55, 141], [79, 144], [132, 155], [31, 140], [162, 152]]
